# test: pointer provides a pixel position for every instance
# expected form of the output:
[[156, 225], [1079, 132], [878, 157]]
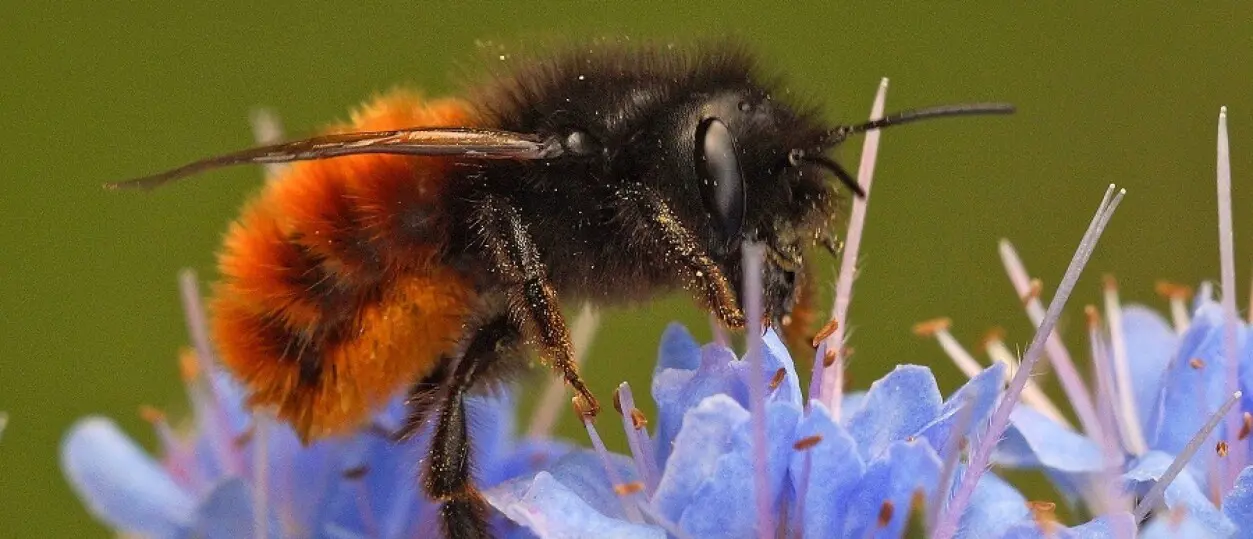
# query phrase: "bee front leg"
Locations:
[[533, 303], [650, 213]]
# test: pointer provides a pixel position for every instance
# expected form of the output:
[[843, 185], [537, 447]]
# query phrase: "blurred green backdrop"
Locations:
[[91, 92]]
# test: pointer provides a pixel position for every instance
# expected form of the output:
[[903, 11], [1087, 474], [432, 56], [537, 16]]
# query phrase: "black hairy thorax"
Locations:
[[632, 117]]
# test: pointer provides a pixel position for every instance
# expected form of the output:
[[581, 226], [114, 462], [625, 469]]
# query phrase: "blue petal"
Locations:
[[678, 350], [1190, 394], [1107, 527], [1177, 526], [707, 434], [895, 407], [719, 373], [1036, 441], [121, 484], [852, 403], [227, 513], [551, 510], [731, 483], [301, 478], [1238, 503], [583, 473], [1183, 493], [774, 357], [1030, 529], [994, 507], [527, 457], [1151, 340], [835, 470], [231, 399], [982, 392], [904, 469]]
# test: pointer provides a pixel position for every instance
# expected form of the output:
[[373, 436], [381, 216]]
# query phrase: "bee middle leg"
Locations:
[[660, 225], [533, 303], [448, 474]]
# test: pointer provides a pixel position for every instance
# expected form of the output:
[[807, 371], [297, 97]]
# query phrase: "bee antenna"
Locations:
[[839, 134], [835, 168]]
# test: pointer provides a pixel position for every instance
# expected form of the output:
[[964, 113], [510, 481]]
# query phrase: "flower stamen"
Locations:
[[1125, 405], [631, 509], [1059, 358], [825, 332], [1106, 493], [635, 424], [832, 386], [757, 386], [982, 454], [1032, 395], [1178, 295], [807, 443], [951, 455], [1227, 258], [1154, 496]]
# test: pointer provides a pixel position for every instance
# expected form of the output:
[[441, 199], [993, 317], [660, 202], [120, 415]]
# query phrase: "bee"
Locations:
[[429, 243]]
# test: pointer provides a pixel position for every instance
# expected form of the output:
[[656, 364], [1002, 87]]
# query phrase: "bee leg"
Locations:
[[448, 473], [423, 398], [533, 302], [645, 206]]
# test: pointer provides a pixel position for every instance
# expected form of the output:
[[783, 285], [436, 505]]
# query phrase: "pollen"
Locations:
[[807, 443], [778, 378], [826, 331], [931, 327], [1171, 290]]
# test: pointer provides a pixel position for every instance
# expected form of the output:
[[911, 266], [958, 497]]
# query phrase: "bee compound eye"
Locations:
[[722, 179]]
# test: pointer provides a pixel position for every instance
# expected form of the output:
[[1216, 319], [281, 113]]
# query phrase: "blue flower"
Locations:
[[1177, 383], [853, 478], [1163, 434], [233, 474]]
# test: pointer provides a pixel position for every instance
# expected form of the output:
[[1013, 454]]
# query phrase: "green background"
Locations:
[[89, 92]]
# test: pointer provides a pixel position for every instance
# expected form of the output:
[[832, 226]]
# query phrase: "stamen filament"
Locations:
[[1154, 496], [982, 454], [1108, 496], [951, 453], [1067, 375], [203, 391], [1032, 395], [757, 387], [833, 377], [638, 440], [1125, 404], [1178, 296], [631, 509], [1226, 250], [938, 328]]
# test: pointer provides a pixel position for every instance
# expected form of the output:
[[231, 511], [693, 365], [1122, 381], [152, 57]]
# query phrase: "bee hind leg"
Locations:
[[448, 475]]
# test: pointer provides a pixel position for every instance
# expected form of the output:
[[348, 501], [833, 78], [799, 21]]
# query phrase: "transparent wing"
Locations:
[[446, 141]]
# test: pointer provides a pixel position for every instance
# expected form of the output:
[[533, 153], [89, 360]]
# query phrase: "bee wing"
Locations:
[[437, 141]]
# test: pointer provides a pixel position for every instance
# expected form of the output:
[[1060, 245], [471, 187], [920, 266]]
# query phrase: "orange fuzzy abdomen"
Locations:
[[332, 296]]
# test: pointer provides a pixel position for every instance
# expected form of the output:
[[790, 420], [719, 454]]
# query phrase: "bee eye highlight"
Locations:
[[722, 180]]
